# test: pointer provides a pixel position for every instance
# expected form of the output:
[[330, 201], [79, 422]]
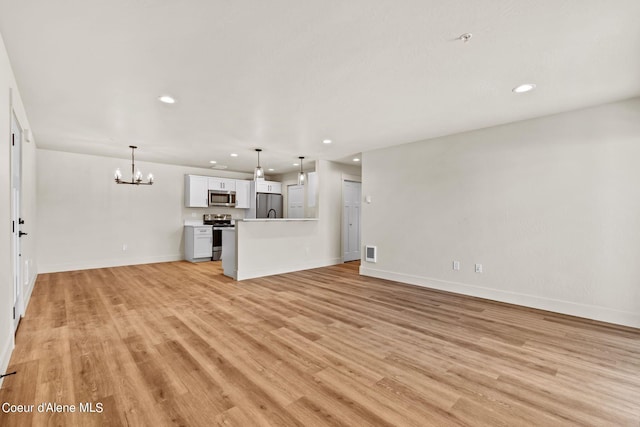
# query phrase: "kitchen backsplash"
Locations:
[[193, 216]]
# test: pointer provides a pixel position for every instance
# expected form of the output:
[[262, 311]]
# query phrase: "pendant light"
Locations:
[[258, 173], [301, 174], [136, 176]]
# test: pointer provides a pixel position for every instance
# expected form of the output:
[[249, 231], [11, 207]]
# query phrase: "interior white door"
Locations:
[[351, 194], [295, 201], [16, 221]]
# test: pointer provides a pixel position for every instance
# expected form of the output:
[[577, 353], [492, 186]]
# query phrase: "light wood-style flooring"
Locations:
[[180, 344]]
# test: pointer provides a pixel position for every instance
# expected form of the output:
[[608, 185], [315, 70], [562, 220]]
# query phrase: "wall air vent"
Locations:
[[370, 253]]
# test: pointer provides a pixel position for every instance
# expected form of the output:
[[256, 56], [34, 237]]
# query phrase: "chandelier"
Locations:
[[136, 176]]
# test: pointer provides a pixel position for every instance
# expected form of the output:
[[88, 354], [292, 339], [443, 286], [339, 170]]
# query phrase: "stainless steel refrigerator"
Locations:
[[268, 205]]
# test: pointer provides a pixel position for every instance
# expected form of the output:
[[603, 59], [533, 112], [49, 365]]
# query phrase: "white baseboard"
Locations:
[[603, 314], [252, 274], [120, 262], [27, 296], [5, 354]]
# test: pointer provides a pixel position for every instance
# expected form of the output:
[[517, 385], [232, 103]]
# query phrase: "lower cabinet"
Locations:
[[198, 243]]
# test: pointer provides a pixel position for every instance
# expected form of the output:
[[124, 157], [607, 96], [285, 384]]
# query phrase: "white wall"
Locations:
[[10, 99], [550, 207], [265, 248], [85, 218]]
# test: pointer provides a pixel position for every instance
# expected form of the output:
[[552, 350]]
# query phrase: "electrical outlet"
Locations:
[[456, 265], [478, 268]]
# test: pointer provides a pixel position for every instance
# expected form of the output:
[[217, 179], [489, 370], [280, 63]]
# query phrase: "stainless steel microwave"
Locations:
[[222, 198]]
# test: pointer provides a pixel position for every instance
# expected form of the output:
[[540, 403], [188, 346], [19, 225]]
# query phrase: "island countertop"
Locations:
[[275, 219]]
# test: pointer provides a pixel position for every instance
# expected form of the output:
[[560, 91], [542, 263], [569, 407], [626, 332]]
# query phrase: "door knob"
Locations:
[[20, 234]]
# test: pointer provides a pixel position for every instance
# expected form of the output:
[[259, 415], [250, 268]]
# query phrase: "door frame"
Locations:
[[16, 137], [357, 179]]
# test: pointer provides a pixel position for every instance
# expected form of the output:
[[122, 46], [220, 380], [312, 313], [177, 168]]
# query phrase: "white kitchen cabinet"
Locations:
[[222, 184], [243, 191], [198, 243], [295, 201], [196, 189], [268, 187]]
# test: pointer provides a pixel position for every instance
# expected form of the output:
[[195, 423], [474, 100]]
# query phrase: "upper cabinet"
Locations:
[[268, 187], [243, 190], [222, 184], [196, 191]]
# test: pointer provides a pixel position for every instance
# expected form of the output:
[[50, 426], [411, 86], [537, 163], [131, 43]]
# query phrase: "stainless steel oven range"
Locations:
[[218, 221]]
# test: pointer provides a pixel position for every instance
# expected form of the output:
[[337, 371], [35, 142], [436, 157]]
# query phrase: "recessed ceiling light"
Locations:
[[234, 155], [524, 88], [296, 164], [271, 169], [356, 159], [167, 99], [213, 162], [326, 141]]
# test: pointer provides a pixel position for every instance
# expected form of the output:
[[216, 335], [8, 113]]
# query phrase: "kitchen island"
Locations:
[[277, 219], [263, 247], [229, 254]]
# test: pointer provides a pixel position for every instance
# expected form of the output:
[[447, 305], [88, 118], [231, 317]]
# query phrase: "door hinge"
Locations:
[[14, 312], [13, 139], [13, 226]]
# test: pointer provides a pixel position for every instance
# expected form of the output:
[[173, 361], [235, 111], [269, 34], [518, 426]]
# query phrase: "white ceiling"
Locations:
[[286, 74]]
